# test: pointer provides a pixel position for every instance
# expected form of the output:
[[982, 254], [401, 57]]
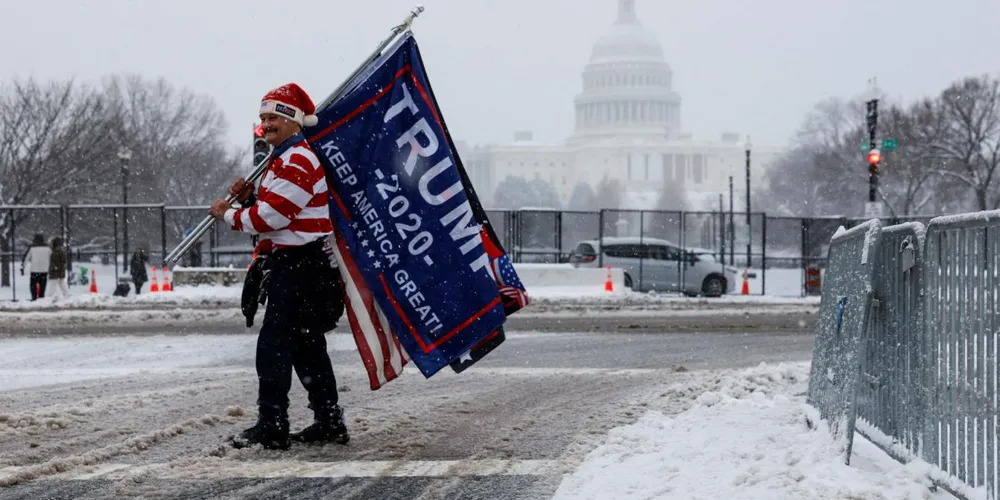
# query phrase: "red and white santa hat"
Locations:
[[290, 101]]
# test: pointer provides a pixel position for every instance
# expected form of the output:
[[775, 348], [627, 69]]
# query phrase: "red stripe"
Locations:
[[369, 304], [427, 99], [366, 352], [294, 174], [257, 222], [320, 200], [413, 331], [238, 220], [311, 225], [466, 323], [340, 204], [287, 208], [302, 161], [404, 70]]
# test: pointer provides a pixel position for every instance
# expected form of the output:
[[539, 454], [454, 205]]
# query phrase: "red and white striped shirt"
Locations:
[[292, 202]]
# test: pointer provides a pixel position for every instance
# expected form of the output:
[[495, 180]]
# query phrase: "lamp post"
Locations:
[[749, 146], [730, 228], [124, 154]]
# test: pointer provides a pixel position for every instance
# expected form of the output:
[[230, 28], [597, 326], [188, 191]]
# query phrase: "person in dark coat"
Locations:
[[137, 267], [58, 266]]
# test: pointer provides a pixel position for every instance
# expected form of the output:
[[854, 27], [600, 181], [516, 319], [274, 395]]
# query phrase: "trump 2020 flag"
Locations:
[[421, 285]]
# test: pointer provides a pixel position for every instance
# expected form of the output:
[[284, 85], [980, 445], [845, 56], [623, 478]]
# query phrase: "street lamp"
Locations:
[[124, 154], [748, 147]]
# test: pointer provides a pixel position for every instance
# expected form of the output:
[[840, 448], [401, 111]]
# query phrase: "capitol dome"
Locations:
[[627, 85]]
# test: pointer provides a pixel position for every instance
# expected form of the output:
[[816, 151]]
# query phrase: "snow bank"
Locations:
[[744, 437], [188, 297]]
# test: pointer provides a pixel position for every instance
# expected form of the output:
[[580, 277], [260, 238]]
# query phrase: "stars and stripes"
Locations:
[[509, 284], [381, 353]]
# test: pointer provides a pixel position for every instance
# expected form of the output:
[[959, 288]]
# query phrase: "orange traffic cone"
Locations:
[[166, 280], [609, 286], [154, 286], [746, 282], [93, 281]]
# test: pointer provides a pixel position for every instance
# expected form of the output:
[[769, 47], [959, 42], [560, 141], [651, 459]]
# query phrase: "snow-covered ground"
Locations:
[[745, 437], [744, 434], [38, 362]]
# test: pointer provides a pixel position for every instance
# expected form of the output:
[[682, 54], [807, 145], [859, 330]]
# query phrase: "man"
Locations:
[[38, 256], [291, 216]]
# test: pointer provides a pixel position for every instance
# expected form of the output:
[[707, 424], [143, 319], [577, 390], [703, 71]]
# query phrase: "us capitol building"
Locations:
[[628, 127]]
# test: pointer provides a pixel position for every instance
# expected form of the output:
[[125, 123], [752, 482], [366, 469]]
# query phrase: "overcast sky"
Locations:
[[503, 65]]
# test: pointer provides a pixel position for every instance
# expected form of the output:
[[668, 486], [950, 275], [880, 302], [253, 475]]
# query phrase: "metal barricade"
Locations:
[[892, 396], [961, 339], [844, 314]]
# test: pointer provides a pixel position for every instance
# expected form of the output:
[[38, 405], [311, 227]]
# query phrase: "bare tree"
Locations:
[[583, 197], [610, 193], [909, 174], [824, 174], [967, 140], [54, 149], [177, 138]]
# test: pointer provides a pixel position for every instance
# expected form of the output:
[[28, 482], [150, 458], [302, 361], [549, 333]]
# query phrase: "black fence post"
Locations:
[[558, 242], [163, 233], [114, 224], [763, 254], [13, 256], [600, 238]]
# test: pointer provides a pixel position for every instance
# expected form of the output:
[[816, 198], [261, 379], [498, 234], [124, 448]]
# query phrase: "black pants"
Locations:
[[38, 282], [292, 333]]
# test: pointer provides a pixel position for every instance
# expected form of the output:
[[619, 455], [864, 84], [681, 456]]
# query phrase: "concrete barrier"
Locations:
[[532, 275], [191, 276], [565, 275]]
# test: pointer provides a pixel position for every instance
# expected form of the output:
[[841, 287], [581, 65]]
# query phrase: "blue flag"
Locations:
[[409, 226]]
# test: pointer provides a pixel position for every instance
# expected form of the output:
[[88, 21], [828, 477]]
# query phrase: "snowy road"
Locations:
[[145, 416]]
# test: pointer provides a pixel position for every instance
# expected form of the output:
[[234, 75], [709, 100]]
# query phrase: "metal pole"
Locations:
[[731, 227], [124, 217], [749, 233], [872, 123], [641, 249], [114, 229], [261, 167], [722, 229], [163, 235], [13, 256], [600, 238], [763, 255]]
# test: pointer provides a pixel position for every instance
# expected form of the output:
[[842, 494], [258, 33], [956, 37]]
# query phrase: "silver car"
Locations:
[[657, 265]]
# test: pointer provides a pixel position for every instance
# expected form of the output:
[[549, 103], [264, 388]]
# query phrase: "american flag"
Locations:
[[508, 282], [380, 350]]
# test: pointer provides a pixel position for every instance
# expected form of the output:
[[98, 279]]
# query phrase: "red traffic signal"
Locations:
[[258, 131], [874, 157]]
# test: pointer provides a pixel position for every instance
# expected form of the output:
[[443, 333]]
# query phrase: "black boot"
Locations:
[[272, 434], [328, 427]]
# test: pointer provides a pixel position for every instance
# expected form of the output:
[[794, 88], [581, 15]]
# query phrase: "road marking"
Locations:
[[231, 469]]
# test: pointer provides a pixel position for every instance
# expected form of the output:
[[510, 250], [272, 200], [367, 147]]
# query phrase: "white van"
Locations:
[[652, 264]]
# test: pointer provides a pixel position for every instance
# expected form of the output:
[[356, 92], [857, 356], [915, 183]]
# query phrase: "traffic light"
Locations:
[[261, 149], [874, 158]]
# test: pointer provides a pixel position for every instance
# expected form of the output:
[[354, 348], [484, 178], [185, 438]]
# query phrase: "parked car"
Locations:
[[658, 265]]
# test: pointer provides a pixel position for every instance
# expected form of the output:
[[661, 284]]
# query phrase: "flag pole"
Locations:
[[260, 168]]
